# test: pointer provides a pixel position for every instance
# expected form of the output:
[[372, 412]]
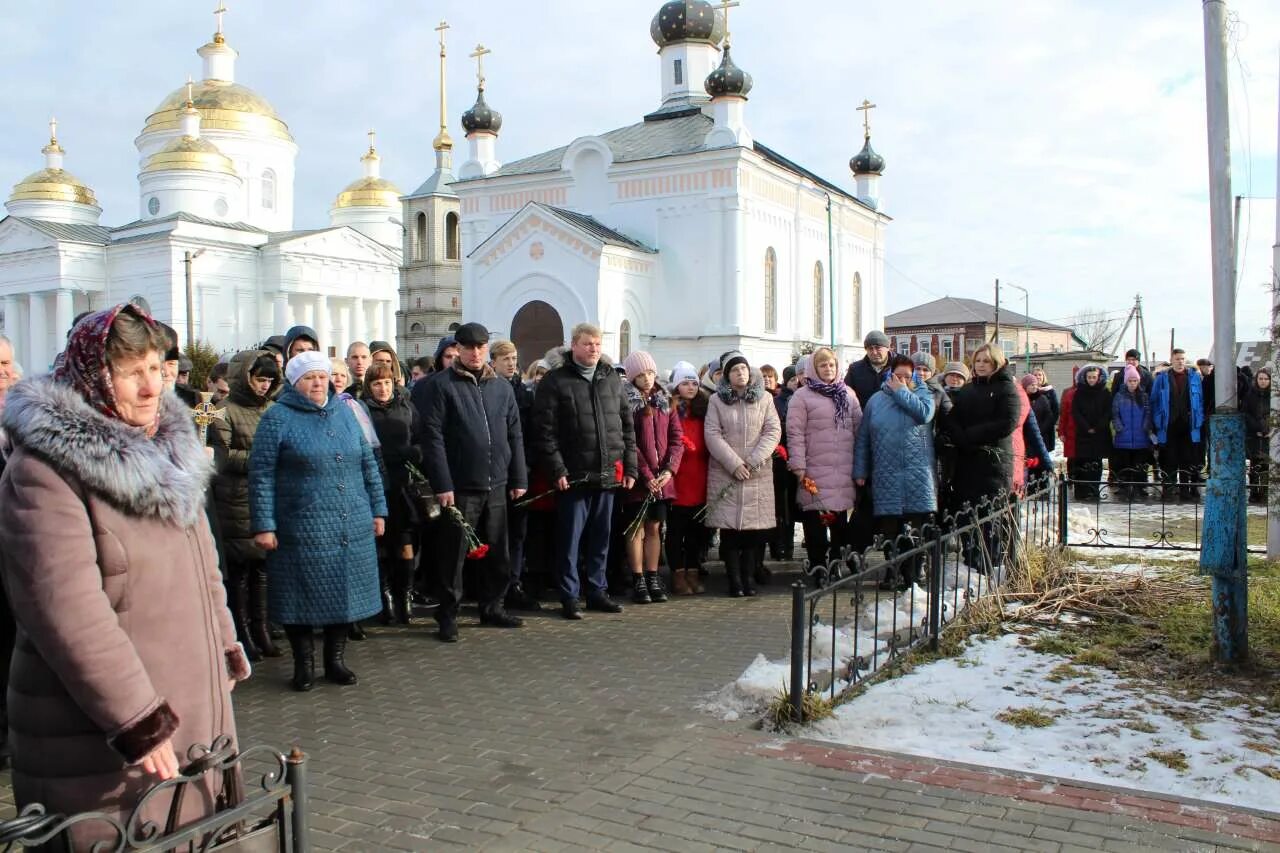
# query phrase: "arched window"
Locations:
[[420, 238], [856, 300], [624, 339], [415, 329], [818, 279], [770, 290], [268, 189], [452, 247]]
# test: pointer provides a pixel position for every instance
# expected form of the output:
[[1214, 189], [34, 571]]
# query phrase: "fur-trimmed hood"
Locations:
[[162, 476], [755, 389], [661, 399], [560, 356]]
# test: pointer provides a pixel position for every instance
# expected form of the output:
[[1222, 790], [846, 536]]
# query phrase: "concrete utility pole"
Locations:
[[1222, 551], [997, 337], [1273, 499]]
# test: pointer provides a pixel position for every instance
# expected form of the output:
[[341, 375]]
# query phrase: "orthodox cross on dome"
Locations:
[[444, 25], [442, 139], [190, 101], [480, 53], [53, 130], [725, 6], [373, 137], [865, 108], [218, 13]]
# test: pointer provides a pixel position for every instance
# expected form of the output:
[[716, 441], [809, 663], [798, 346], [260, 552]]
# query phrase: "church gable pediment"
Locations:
[[342, 243], [17, 236], [537, 231]]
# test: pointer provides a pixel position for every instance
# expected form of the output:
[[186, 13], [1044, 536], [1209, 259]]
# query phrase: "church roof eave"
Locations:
[[590, 227], [96, 235]]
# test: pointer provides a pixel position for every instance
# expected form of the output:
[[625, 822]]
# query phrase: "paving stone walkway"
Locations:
[[584, 736]]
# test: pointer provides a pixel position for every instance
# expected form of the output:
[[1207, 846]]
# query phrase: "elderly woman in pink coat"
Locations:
[[822, 423]]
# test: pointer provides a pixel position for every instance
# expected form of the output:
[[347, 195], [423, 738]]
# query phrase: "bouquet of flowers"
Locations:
[[476, 550], [618, 473], [420, 491], [825, 516]]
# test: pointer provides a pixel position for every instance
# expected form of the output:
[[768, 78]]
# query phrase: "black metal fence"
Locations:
[[1143, 516], [269, 817], [873, 607]]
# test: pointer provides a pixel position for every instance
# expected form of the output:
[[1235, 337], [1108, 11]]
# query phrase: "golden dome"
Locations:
[[369, 192], [222, 106], [53, 185], [190, 153]]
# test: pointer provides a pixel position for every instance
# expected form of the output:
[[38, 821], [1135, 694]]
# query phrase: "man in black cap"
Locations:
[[473, 449], [1134, 358], [866, 375]]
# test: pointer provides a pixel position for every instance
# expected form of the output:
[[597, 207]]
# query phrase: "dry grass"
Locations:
[[1025, 718]]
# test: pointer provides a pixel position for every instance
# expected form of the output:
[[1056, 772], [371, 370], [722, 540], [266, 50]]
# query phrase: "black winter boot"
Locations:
[[653, 580], [640, 590], [388, 614], [402, 589], [304, 656], [259, 627], [733, 570], [335, 643], [237, 584], [751, 560]]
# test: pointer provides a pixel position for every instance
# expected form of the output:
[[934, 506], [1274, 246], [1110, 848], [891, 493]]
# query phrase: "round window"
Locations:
[[153, 205], [220, 207]]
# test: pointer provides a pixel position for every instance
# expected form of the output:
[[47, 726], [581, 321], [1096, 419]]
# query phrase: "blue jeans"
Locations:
[[583, 513]]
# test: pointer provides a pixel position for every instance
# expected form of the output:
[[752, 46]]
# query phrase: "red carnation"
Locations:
[[827, 518], [618, 471], [688, 442], [478, 552], [1033, 461], [781, 453]]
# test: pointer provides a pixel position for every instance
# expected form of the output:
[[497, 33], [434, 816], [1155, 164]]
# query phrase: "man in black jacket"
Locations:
[[585, 439], [474, 453]]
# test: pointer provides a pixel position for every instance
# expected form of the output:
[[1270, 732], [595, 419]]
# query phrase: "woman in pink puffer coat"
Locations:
[[822, 423]]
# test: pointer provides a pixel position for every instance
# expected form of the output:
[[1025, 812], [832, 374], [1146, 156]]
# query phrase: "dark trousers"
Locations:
[[1088, 476], [517, 530], [685, 538], [862, 527], [785, 486], [1259, 478], [1131, 467], [893, 526], [540, 549], [486, 512], [1180, 461], [821, 541], [584, 519]]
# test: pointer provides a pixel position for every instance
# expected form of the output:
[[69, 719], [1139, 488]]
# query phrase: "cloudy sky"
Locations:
[[1057, 144]]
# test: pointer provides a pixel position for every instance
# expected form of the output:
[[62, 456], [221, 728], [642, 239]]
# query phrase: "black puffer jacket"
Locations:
[[583, 428], [865, 380], [472, 440], [984, 414], [231, 438], [1256, 404], [398, 429], [1045, 414], [1091, 409]]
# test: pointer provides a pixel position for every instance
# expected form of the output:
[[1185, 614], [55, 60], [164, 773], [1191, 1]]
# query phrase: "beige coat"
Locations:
[[124, 638], [741, 430]]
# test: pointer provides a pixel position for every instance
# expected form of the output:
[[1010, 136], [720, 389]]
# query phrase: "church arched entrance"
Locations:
[[536, 328]]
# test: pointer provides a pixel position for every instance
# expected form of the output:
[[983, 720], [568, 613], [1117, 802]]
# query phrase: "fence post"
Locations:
[[296, 775], [935, 591], [797, 651], [1062, 512]]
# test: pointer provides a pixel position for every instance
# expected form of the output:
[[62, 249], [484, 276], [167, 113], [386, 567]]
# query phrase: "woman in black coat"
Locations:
[[395, 420], [1091, 410], [1257, 421], [984, 415]]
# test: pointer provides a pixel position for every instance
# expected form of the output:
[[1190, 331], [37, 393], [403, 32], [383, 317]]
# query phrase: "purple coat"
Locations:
[[823, 448], [659, 441]]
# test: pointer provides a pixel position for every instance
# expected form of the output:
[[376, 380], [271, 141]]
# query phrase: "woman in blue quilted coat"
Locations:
[[316, 505], [895, 450]]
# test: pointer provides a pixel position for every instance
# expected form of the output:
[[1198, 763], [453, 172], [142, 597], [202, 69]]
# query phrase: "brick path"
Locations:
[[573, 736]]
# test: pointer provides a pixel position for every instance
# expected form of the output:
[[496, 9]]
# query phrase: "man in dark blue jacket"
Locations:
[[1177, 412], [474, 453]]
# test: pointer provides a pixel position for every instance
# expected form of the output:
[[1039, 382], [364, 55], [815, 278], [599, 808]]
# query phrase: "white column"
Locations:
[[63, 312], [387, 309], [11, 319], [37, 337], [359, 326], [280, 320], [322, 326], [733, 264]]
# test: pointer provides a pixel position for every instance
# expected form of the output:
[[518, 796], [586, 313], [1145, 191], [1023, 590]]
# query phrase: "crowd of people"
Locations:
[[327, 492]]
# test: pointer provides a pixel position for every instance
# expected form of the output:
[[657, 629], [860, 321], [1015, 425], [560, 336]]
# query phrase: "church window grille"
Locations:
[[679, 72], [856, 301], [770, 290], [268, 190], [624, 339], [817, 299], [452, 249], [420, 242]]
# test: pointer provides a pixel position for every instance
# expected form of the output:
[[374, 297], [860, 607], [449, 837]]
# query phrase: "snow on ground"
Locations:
[[1103, 729]]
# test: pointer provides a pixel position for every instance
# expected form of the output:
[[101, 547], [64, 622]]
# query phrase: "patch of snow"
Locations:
[[947, 710]]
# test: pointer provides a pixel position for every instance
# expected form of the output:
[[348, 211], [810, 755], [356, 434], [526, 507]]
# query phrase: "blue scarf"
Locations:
[[837, 392]]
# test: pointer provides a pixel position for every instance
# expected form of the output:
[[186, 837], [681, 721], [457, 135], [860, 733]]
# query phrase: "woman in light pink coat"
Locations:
[[822, 423]]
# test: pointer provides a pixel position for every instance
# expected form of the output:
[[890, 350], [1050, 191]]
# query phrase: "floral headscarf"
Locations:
[[84, 364]]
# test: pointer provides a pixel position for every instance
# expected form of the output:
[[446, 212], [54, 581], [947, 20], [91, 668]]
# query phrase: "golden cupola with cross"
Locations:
[[241, 124], [53, 194], [370, 204]]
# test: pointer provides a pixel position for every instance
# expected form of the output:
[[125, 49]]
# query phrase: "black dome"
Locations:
[[728, 79], [481, 118], [867, 161], [686, 20]]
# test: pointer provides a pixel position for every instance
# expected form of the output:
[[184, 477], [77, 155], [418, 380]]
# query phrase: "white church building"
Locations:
[[679, 234], [215, 204]]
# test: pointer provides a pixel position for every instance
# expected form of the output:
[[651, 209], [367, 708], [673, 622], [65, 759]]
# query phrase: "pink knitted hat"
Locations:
[[639, 362], [1131, 372]]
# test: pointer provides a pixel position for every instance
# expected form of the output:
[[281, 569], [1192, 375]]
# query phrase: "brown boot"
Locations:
[[695, 582], [680, 582]]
